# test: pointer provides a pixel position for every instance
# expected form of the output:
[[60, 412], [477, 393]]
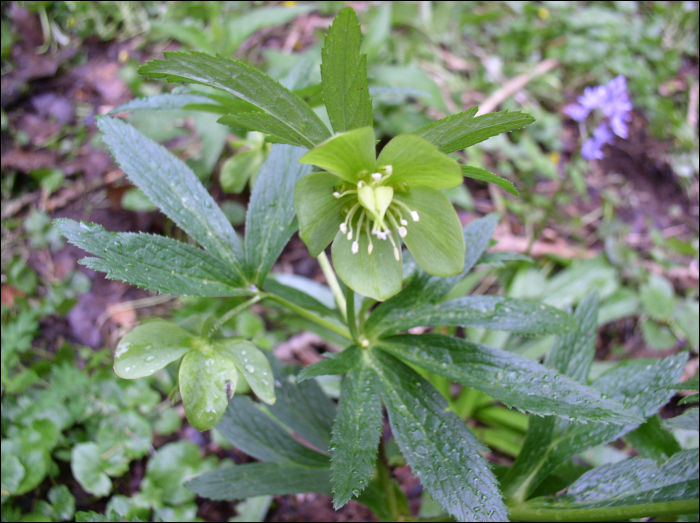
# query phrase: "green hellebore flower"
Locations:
[[367, 205]]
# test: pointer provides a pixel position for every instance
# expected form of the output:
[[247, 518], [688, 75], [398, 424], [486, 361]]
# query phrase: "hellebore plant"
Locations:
[[368, 206]]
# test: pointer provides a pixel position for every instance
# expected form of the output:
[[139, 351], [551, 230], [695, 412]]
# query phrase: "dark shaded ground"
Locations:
[[50, 96]]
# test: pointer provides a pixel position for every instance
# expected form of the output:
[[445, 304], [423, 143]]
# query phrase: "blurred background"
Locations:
[[624, 225]]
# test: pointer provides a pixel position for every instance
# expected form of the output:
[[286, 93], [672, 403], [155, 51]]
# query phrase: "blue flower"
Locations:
[[613, 105]]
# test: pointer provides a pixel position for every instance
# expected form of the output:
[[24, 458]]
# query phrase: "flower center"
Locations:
[[379, 212]]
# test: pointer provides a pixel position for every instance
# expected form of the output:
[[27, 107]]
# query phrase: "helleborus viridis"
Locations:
[[368, 205]]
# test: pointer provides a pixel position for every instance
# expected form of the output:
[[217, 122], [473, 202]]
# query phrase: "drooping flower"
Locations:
[[613, 104], [367, 206]]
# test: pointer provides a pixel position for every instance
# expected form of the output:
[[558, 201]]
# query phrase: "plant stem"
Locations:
[[230, 314], [333, 283], [563, 185], [338, 329], [385, 482], [544, 513], [351, 319]]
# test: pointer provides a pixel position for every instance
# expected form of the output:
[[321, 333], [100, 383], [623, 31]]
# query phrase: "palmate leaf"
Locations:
[[153, 262], [283, 114], [438, 446], [633, 488], [640, 385], [524, 317], [463, 130], [344, 74], [514, 380], [174, 188], [356, 434], [259, 479], [424, 288], [270, 221]]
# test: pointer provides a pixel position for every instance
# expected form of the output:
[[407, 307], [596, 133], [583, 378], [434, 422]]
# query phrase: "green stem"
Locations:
[[338, 329], [544, 513], [351, 319], [548, 213], [333, 283], [385, 482], [230, 314]]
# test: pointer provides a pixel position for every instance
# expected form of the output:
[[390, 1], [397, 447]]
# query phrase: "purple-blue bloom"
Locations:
[[612, 102]]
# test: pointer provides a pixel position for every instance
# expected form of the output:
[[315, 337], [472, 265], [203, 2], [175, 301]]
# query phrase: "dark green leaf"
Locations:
[[294, 119], [652, 441], [485, 176], [258, 435], [163, 102], [463, 130], [304, 408], [355, 434], [693, 398], [499, 259], [438, 446], [424, 288], [640, 385], [153, 262], [524, 317], [514, 380], [686, 421], [258, 479], [270, 221], [687, 385], [337, 364], [174, 188], [302, 291], [344, 74]]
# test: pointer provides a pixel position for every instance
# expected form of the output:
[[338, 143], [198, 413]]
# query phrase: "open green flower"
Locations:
[[367, 206]]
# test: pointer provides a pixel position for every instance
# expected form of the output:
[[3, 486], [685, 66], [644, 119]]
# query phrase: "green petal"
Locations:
[[436, 240], [318, 210], [345, 154], [377, 275], [417, 163]]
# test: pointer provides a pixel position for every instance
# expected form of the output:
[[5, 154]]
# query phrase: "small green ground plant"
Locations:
[[368, 206]]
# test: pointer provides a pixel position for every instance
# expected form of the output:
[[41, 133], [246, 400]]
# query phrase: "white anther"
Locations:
[[404, 222], [350, 235], [355, 247], [403, 232], [388, 169], [376, 176], [396, 253], [336, 194], [360, 184], [382, 235], [414, 215], [370, 248], [343, 228]]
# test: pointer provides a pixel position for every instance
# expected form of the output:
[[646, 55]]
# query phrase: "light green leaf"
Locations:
[[640, 385], [337, 364], [688, 321], [686, 421], [259, 479], [376, 276], [436, 240], [173, 187], [237, 170], [693, 398], [657, 298], [355, 434], [657, 337], [687, 385], [424, 288], [241, 26], [205, 377], [651, 440], [417, 163], [280, 105], [345, 155], [514, 380], [319, 211], [630, 484], [270, 221], [163, 102], [11, 469], [344, 74], [252, 509], [172, 465], [149, 348], [258, 435], [524, 317], [253, 364], [463, 130], [306, 410], [153, 262], [87, 467], [63, 502], [437, 445], [485, 176]]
